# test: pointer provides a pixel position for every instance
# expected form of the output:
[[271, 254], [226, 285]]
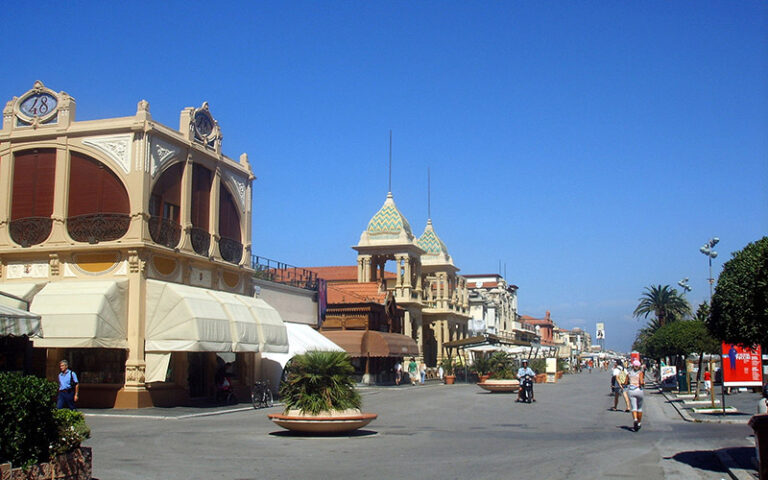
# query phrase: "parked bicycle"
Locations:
[[261, 395]]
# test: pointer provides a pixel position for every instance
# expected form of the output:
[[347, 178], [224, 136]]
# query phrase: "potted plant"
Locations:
[[482, 365], [319, 395], [502, 376], [449, 367]]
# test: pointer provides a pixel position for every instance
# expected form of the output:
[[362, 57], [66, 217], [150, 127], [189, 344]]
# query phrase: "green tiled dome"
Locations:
[[388, 220], [430, 242]]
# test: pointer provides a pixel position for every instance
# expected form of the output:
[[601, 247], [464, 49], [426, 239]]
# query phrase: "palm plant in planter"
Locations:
[[449, 370], [320, 395], [320, 382], [482, 365]]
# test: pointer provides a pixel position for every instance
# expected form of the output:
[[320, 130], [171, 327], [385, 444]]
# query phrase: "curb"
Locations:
[[735, 472], [685, 415]]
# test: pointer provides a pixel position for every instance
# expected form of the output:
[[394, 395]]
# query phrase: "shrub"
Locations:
[[72, 430], [27, 424], [320, 381], [482, 365]]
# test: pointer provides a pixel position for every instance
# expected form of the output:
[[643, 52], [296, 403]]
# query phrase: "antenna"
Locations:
[[390, 161], [429, 196]]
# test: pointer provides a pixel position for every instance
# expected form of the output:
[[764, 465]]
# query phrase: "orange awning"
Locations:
[[362, 343]]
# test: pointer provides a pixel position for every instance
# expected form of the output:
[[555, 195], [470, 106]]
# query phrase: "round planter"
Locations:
[[450, 379], [325, 423], [500, 386], [484, 378]]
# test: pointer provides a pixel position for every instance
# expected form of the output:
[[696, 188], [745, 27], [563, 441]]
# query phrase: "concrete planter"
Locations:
[[500, 386], [450, 379], [325, 423], [75, 465]]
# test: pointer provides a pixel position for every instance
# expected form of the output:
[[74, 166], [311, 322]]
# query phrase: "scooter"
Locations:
[[526, 384]]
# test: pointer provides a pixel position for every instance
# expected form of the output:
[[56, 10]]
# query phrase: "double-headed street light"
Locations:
[[707, 250], [684, 285]]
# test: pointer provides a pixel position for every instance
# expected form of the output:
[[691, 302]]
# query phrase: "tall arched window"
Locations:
[[229, 228], [165, 207], [34, 173], [200, 237], [99, 208]]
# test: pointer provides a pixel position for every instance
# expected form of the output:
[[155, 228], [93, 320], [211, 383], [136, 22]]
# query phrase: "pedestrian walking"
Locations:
[[413, 370], [635, 387], [69, 387], [619, 379], [398, 372], [422, 373], [707, 381]]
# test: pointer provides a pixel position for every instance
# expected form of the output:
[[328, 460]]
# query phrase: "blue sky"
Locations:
[[590, 148]]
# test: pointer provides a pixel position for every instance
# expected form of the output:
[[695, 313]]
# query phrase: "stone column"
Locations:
[[186, 204], [399, 267], [407, 328], [60, 195], [6, 159], [213, 214], [407, 271]]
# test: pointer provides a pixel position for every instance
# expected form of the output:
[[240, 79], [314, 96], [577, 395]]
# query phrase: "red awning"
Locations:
[[362, 343]]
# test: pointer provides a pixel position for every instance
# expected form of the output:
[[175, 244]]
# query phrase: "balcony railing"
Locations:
[[231, 250], [278, 272], [30, 230], [98, 227], [164, 231], [201, 240]]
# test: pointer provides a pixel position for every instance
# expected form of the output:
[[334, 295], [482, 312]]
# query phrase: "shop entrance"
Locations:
[[197, 376]]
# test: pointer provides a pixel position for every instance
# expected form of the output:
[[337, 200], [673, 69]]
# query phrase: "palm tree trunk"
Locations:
[[698, 376]]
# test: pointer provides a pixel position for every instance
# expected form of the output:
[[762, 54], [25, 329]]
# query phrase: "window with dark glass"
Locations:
[[99, 208], [229, 228], [164, 211], [200, 237], [34, 174]]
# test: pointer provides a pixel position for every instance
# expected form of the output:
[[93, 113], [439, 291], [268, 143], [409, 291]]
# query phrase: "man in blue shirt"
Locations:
[[521, 372], [68, 387]]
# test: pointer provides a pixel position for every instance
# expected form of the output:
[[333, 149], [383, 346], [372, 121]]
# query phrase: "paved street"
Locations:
[[432, 432]]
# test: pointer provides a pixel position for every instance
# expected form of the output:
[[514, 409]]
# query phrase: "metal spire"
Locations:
[[429, 196], [390, 161]]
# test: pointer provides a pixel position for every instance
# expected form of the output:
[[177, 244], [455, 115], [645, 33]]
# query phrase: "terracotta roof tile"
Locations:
[[355, 293], [344, 273]]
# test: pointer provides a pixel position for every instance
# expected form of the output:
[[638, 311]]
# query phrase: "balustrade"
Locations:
[[164, 231], [201, 240], [98, 227], [231, 250], [30, 230]]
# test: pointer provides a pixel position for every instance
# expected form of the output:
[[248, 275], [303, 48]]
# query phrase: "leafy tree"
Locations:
[[665, 303], [680, 339], [740, 302]]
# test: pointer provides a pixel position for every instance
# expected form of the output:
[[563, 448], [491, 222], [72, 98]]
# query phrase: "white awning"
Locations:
[[302, 338], [22, 290], [16, 322], [192, 319], [82, 314]]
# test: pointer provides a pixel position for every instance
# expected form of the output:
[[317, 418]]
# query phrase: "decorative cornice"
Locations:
[[160, 153], [238, 186]]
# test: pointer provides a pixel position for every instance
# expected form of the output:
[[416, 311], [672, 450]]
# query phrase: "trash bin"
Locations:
[[682, 381]]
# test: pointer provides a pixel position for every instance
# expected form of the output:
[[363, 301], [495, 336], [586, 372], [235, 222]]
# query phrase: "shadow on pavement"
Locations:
[[355, 434], [700, 459]]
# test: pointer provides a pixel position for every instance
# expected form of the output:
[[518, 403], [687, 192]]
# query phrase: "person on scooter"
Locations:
[[522, 372]]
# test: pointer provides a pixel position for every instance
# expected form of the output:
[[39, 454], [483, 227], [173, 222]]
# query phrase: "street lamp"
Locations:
[[684, 285], [707, 249]]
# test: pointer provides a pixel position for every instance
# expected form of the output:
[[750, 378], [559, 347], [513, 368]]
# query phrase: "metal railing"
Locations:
[[279, 272], [201, 240], [98, 227], [231, 250], [164, 231], [30, 230]]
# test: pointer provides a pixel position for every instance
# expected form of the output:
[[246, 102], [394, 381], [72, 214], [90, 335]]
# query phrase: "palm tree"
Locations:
[[320, 381], [665, 303]]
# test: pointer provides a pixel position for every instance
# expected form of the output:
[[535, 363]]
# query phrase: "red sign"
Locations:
[[742, 366]]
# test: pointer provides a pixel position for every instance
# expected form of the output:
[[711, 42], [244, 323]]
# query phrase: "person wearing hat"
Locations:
[[635, 385], [521, 372]]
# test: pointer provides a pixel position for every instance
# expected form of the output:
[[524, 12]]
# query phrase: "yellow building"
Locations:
[[132, 241]]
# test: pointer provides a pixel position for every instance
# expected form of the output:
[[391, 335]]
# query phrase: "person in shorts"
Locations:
[[619, 378], [398, 372], [635, 391]]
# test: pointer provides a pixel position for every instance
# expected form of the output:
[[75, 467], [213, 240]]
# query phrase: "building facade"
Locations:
[[132, 240]]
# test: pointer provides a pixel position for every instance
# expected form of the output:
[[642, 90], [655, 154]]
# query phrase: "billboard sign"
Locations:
[[600, 331], [742, 366]]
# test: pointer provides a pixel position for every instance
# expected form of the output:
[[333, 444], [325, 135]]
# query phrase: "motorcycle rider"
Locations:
[[522, 372]]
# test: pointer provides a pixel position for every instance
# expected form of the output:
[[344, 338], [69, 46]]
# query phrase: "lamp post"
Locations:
[[707, 249], [684, 285]]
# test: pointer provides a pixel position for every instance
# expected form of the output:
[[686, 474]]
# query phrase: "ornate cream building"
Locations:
[[132, 241], [426, 284]]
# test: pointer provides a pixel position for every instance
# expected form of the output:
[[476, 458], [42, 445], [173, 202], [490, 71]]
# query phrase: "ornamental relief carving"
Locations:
[[160, 153], [116, 147], [134, 373], [238, 185]]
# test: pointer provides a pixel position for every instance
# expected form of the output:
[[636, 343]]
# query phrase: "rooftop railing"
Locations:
[[279, 272]]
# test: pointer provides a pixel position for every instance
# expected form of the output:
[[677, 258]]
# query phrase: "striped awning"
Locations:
[[17, 322]]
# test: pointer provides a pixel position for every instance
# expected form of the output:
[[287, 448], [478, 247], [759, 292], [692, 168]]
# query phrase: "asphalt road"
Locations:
[[427, 432]]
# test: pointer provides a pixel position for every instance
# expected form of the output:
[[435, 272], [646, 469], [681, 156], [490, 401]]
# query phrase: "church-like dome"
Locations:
[[435, 250], [389, 221]]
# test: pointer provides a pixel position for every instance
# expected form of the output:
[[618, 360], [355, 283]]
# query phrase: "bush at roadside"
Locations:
[[72, 431]]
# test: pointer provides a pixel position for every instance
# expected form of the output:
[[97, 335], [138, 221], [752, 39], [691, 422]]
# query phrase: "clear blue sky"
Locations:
[[591, 147]]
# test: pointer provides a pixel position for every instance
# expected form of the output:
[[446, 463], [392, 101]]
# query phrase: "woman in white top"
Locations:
[[635, 385]]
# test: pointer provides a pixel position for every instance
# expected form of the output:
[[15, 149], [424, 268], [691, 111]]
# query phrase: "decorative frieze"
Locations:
[[160, 153], [27, 270], [116, 147]]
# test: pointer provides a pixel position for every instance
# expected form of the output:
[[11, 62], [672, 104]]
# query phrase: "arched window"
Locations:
[[99, 209], [200, 236], [34, 173], [165, 207], [229, 228]]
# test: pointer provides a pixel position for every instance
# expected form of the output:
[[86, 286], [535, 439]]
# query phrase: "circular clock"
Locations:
[[38, 105], [203, 123]]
